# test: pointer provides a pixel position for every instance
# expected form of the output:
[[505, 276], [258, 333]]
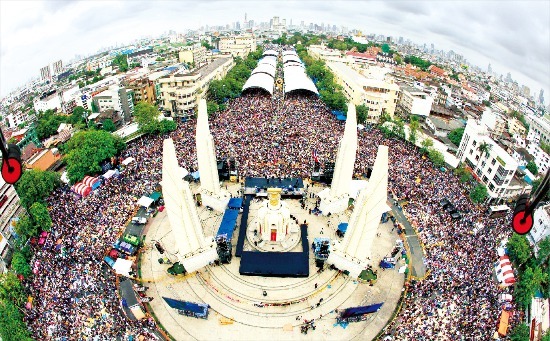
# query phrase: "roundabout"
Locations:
[[262, 308]]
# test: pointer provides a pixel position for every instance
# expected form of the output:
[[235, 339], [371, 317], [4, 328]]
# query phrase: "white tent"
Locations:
[[123, 267], [260, 80], [110, 173], [145, 201], [127, 161]]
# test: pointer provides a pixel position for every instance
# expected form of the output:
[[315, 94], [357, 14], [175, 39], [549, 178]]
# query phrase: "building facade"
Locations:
[[237, 46], [180, 92], [143, 90], [377, 95], [413, 101], [193, 55], [541, 224], [10, 209], [118, 99], [494, 168]]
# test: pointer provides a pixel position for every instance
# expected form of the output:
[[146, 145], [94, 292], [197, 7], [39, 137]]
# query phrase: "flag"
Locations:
[[315, 156]]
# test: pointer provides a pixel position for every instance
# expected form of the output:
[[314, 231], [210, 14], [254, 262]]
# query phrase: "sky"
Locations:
[[513, 36]]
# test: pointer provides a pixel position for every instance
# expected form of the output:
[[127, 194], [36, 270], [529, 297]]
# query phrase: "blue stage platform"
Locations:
[[277, 264]]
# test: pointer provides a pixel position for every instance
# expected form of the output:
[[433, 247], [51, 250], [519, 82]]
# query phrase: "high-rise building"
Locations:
[[541, 96], [489, 69], [45, 73], [57, 67]]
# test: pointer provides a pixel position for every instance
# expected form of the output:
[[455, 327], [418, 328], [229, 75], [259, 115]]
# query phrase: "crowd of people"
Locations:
[[268, 136]]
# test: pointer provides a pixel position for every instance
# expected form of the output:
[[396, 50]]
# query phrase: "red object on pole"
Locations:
[[11, 170], [519, 226]]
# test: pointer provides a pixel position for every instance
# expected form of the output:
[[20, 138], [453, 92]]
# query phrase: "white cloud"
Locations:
[[512, 36]]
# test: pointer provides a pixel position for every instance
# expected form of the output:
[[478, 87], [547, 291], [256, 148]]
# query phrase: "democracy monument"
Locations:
[[251, 253]]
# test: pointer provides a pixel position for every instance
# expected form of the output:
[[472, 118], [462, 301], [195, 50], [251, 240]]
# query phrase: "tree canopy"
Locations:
[[121, 61], [419, 62], [36, 185], [48, 122], [147, 116], [456, 136], [41, 216], [362, 113], [12, 326], [478, 193], [518, 249], [519, 333], [86, 149], [532, 167]]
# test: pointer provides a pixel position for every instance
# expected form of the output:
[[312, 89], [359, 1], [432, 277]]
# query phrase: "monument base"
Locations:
[[199, 260], [344, 262], [331, 205], [216, 201]]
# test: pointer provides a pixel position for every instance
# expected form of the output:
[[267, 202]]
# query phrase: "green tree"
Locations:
[[86, 149], [146, 116], [25, 228], [211, 107], [426, 144], [519, 333], [518, 249], [167, 126], [483, 149], [36, 185], [362, 113], [456, 136], [478, 193], [47, 124], [398, 128], [121, 61], [384, 117], [12, 326], [79, 115], [436, 157], [108, 125], [41, 216], [414, 126], [385, 48], [20, 265], [462, 173], [546, 336], [543, 254], [11, 289], [532, 167]]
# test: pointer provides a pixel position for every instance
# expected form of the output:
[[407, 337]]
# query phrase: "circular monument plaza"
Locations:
[[239, 309], [263, 279]]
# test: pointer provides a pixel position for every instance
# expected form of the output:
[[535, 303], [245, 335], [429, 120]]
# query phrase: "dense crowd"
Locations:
[[268, 137]]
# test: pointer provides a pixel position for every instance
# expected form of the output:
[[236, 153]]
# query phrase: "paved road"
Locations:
[[417, 254]]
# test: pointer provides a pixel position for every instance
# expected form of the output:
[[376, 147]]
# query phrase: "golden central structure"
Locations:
[[274, 217]]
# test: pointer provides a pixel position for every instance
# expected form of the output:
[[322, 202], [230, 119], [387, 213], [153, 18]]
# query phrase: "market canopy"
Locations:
[[296, 79], [235, 203], [145, 201], [155, 196]]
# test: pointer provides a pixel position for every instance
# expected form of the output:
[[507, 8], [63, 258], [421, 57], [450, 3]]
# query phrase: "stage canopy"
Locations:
[[235, 203], [343, 227], [227, 226]]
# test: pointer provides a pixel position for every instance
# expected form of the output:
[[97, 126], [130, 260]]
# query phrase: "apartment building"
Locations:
[[116, 98], [413, 101], [195, 55], [540, 157], [10, 209], [495, 122], [540, 126], [377, 95], [541, 224], [237, 46], [143, 90], [495, 168], [180, 92], [516, 127]]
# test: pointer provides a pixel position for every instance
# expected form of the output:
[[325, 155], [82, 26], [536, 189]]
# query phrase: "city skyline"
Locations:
[[44, 32]]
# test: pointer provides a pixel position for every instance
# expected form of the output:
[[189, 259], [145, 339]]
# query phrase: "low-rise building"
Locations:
[[540, 126], [541, 224], [516, 127], [495, 168], [43, 160], [495, 122], [116, 98], [10, 209], [377, 95], [195, 55], [143, 90], [540, 157], [413, 101], [237, 46], [441, 127], [180, 92]]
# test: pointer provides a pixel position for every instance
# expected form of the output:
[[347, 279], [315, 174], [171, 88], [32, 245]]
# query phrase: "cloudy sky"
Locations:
[[512, 36]]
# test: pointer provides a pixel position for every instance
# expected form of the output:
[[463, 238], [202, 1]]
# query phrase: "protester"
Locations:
[[268, 137]]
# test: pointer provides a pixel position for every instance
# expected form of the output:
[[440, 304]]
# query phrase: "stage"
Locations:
[[277, 264]]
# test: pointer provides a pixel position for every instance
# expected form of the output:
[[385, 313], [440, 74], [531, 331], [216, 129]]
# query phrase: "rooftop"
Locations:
[[351, 75]]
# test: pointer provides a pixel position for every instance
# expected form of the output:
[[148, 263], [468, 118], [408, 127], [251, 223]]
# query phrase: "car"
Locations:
[[139, 220]]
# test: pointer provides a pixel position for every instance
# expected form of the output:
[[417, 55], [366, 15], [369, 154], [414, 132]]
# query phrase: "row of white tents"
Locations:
[[295, 77]]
